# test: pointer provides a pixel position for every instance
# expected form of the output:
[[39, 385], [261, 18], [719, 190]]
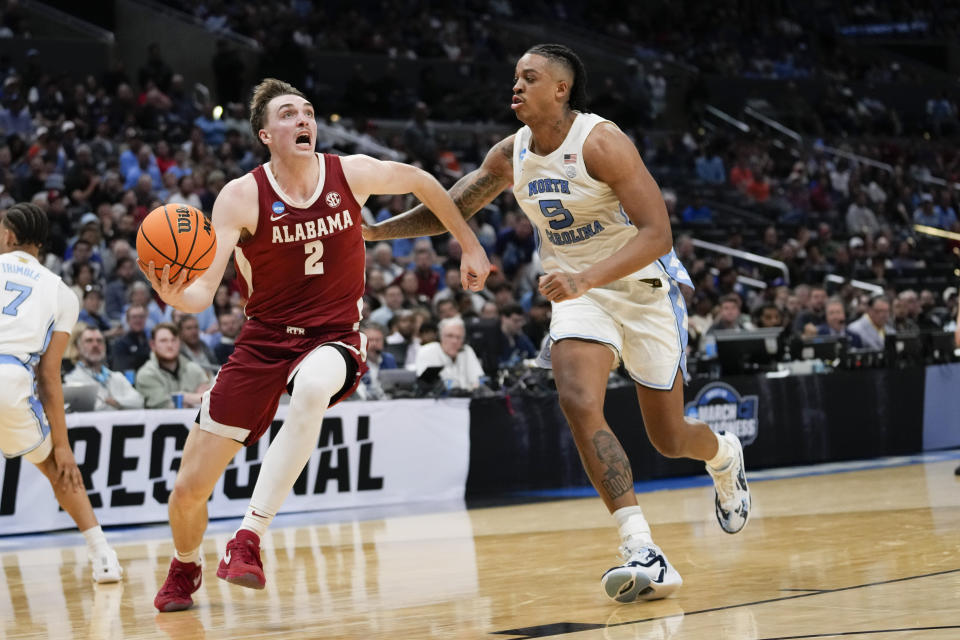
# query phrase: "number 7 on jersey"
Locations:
[[23, 292]]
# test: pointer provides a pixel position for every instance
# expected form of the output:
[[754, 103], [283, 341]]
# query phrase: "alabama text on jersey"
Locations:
[[304, 266]]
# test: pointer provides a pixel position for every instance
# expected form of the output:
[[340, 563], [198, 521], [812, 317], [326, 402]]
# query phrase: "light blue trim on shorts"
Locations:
[[675, 296], [8, 359], [37, 408], [35, 357], [547, 363], [650, 385], [679, 311], [34, 403]]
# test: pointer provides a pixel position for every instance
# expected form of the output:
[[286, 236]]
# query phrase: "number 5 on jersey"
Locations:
[[314, 251], [554, 208]]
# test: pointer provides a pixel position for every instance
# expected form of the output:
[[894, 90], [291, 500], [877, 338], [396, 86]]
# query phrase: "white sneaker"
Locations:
[[732, 496], [106, 565], [646, 575]]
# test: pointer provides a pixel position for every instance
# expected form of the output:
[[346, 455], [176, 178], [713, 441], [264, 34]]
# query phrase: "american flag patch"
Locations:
[[569, 158]]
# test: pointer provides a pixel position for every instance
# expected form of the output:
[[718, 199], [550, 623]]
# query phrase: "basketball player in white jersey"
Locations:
[[612, 275], [37, 313]]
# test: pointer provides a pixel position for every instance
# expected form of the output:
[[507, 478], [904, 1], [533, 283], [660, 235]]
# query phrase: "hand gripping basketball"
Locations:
[[175, 244]]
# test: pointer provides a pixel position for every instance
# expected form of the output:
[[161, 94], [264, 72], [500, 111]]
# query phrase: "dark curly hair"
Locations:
[[28, 222], [565, 56]]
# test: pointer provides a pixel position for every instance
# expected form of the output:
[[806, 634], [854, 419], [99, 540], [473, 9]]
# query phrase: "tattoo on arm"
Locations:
[[617, 478], [572, 284], [470, 197], [419, 221], [470, 193], [506, 150], [475, 195]]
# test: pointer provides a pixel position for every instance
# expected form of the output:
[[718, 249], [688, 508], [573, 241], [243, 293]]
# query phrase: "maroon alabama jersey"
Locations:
[[304, 266]]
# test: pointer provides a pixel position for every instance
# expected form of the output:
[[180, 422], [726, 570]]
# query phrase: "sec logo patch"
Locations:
[[333, 199]]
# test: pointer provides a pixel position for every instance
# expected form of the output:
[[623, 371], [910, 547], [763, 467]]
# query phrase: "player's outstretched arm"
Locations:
[[470, 194], [368, 176], [234, 211], [50, 392]]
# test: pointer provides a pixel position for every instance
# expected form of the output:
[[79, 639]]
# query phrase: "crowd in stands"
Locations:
[[822, 216], [410, 30], [12, 20], [783, 40], [100, 153], [787, 39]]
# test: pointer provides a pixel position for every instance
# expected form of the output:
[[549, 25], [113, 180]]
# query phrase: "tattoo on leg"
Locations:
[[617, 478]]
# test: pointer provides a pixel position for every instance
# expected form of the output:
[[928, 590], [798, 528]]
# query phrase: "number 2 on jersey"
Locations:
[[23, 292], [314, 251], [554, 208]]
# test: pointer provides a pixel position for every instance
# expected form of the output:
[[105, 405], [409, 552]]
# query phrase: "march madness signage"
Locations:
[[368, 453], [724, 409]]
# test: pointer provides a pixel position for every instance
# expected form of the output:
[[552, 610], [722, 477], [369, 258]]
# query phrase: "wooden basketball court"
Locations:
[[871, 553]]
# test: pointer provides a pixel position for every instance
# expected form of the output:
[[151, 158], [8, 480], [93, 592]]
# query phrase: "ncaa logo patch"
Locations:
[[724, 409], [332, 199], [278, 207]]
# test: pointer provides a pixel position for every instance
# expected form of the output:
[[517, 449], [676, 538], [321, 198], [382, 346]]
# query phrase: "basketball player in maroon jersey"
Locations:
[[294, 227]]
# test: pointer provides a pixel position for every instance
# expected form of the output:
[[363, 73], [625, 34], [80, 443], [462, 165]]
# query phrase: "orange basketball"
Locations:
[[178, 235]]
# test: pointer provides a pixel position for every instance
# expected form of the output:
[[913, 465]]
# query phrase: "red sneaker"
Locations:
[[241, 563], [183, 579]]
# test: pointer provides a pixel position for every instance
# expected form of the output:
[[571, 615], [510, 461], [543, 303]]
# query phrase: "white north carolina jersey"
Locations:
[[642, 316], [34, 302], [579, 219]]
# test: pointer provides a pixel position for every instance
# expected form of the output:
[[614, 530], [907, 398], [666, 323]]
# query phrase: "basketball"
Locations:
[[178, 235]]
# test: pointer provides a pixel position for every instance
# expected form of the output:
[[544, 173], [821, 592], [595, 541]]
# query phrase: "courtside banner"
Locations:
[[368, 453]]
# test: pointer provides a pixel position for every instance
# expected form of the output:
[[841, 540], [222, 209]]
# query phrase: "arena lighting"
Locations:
[[933, 231], [217, 112]]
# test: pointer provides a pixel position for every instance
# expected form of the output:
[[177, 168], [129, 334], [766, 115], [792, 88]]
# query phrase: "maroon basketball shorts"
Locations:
[[243, 400]]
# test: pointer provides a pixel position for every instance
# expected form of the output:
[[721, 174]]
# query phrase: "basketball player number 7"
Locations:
[[314, 251], [23, 292]]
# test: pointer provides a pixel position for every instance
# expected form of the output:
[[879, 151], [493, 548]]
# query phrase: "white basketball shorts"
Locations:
[[23, 426], [644, 322]]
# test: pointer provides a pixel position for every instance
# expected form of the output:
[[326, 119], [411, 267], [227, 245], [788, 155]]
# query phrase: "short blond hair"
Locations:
[[263, 93]]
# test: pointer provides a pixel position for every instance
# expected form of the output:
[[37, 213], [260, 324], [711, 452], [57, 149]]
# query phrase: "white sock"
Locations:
[[257, 519], [321, 375], [634, 530], [189, 556], [95, 538], [724, 455]]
